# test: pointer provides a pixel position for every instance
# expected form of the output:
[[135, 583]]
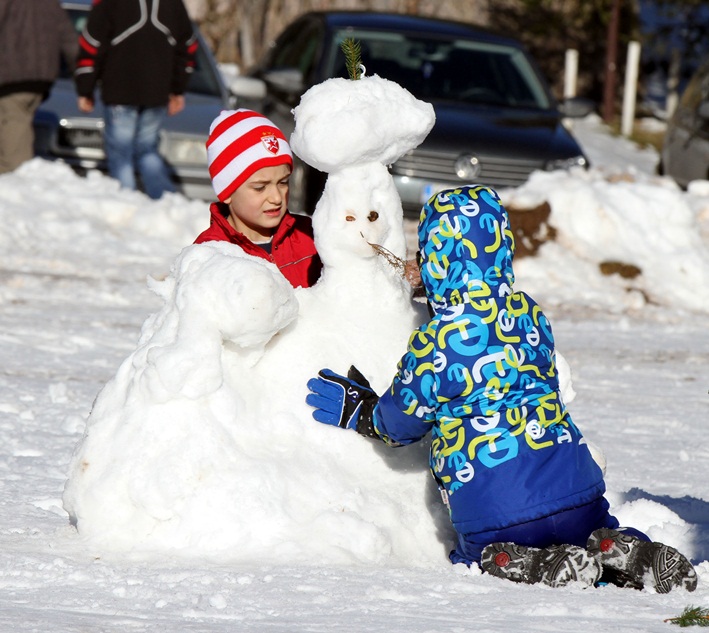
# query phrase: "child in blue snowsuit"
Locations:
[[524, 494]]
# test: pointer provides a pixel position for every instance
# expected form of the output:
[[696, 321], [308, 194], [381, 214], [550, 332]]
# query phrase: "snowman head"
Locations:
[[358, 214]]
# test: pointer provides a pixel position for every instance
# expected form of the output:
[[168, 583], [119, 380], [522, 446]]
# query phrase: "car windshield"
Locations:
[[443, 69], [202, 81]]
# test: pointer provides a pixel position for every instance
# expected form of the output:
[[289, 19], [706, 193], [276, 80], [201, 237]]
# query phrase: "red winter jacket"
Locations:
[[292, 246]]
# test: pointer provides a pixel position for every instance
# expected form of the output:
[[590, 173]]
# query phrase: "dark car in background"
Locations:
[[63, 132], [496, 119], [685, 149]]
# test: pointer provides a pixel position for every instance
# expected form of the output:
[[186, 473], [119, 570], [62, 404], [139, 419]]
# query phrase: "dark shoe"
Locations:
[[639, 563], [555, 566]]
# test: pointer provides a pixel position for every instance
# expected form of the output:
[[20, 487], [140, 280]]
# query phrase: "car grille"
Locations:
[[435, 166], [80, 141]]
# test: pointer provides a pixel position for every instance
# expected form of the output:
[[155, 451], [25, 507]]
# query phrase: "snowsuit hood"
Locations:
[[466, 247]]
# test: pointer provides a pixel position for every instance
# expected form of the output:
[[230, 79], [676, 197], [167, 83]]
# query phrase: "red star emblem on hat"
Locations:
[[270, 143]]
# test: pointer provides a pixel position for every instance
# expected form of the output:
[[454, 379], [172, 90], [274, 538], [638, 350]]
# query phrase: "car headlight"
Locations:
[[184, 150], [467, 167], [567, 163]]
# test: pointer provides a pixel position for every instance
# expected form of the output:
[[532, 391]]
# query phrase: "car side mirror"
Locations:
[[288, 80], [576, 107], [248, 87]]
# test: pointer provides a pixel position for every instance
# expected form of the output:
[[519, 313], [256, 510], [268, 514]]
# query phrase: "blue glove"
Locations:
[[345, 402]]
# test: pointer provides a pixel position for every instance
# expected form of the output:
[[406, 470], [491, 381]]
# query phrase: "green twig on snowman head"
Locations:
[[353, 57]]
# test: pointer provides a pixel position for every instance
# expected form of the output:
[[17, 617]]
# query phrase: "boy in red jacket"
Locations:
[[250, 163]]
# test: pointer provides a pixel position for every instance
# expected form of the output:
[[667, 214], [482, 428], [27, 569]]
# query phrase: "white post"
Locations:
[[631, 88], [571, 67], [672, 84]]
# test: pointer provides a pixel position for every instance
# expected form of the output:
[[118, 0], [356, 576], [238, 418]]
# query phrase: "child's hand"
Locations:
[[345, 402]]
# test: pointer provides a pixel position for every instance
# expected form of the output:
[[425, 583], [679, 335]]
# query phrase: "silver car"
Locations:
[[63, 132], [685, 150]]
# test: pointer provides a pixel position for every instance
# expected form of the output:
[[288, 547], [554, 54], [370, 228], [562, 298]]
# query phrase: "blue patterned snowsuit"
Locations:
[[480, 376]]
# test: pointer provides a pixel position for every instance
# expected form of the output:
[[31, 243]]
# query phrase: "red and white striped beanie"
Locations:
[[240, 143]]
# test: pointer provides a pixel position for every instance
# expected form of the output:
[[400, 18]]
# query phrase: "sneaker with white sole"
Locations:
[[554, 566], [640, 563]]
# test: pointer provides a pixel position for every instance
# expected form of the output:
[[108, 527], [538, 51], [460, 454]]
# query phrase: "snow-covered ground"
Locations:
[[74, 257]]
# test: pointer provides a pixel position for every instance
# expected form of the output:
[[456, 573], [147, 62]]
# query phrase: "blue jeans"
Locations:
[[131, 137]]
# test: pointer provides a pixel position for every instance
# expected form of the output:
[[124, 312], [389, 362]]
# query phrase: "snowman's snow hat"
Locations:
[[341, 123], [240, 143]]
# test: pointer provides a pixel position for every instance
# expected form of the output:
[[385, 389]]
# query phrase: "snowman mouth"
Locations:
[[398, 264]]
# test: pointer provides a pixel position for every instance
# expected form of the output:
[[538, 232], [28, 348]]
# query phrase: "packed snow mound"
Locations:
[[361, 205], [343, 122], [203, 445], [162, 424], [647, 223]]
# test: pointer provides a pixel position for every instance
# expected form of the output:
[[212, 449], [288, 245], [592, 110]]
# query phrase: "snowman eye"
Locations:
[[350, 218], [373, 216]]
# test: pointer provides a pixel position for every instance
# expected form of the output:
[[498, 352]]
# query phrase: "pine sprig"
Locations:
[[691, 616], [353, 57]]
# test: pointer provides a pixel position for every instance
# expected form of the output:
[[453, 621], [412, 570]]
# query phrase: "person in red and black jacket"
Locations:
[[141, 52], [250, 163]]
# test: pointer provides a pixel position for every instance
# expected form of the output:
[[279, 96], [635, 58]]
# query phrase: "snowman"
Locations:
[[203, 444], [362, 306]]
